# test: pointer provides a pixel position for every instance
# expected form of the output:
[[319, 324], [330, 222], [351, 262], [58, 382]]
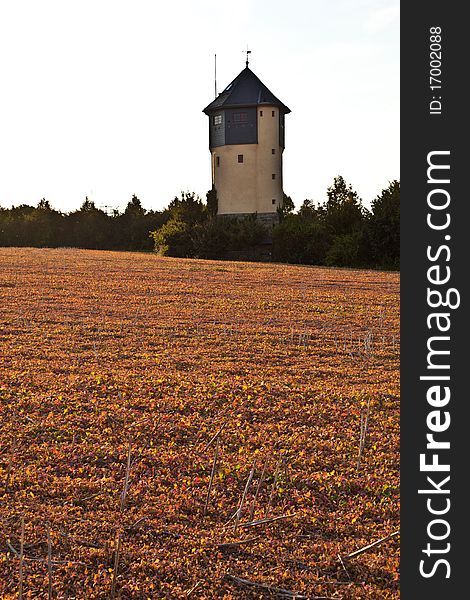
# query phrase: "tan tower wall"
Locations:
[[249, 187]]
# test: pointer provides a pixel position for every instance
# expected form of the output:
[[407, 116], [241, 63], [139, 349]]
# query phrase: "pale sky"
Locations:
[[104, 98]]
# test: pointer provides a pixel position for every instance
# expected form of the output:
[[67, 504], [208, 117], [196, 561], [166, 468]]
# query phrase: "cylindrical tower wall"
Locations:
[[269, 163], [248, 177]]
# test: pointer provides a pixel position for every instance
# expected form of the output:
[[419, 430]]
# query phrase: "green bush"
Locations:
[[345, 251], [210, 239], [174, 239], [298, 239]]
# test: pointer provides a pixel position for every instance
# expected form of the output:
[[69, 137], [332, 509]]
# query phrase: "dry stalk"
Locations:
[[49, 561], [265, 521], [344, 566], [361, 440], [80, 541], [116, 566], [363, 433], [9, 470], [242, 501], [231, 518], [126, 479], [137, 523], [20, 590], [12, 549], [258, 487], [274, 486], [214, 437], [236, 545], [211, 480], [273, 591], [193, 589], [369, 546]]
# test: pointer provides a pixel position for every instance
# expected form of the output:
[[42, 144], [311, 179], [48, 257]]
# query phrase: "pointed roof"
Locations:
[[245, 90]]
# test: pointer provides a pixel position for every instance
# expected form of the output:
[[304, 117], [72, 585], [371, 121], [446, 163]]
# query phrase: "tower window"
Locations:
[[274, 113], [273, 176], [240, 158], [273, 151], [273, 200], [260, 113], [217, 119], [241, 117], [217, 161]]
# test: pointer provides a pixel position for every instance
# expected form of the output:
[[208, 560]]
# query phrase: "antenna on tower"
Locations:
[[215, 74], [247, 57]]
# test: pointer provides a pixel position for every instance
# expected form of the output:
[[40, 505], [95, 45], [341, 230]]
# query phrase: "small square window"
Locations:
[[260, 113], [273, 201], [217, 161], [217, 119], [241, 117], [274, 113], [273, 151], [240, 158], [273, 176]]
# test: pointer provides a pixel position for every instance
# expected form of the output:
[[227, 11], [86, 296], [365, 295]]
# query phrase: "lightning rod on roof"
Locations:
[[215, 74], [247, 57]]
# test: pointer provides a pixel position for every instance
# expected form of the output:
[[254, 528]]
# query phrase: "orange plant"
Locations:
[[124, 374]]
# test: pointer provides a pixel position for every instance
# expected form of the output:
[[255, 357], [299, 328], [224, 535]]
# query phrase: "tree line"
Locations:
[[339, 232], [88, 227]]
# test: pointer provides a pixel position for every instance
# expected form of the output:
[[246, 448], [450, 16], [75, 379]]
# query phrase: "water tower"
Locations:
[[246, 141]]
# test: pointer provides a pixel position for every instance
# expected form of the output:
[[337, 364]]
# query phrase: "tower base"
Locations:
[[266, 219], [262, 251]]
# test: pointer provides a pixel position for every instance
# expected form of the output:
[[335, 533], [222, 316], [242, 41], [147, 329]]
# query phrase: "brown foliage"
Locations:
[[107, 357]]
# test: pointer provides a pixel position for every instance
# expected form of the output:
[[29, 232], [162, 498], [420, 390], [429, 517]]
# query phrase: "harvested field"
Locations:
[[120, 369]]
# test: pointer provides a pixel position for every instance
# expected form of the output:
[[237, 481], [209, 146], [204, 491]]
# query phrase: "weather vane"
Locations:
[[247, 57]]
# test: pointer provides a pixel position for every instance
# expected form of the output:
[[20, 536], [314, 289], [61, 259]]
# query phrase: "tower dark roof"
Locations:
[[245, 90]]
